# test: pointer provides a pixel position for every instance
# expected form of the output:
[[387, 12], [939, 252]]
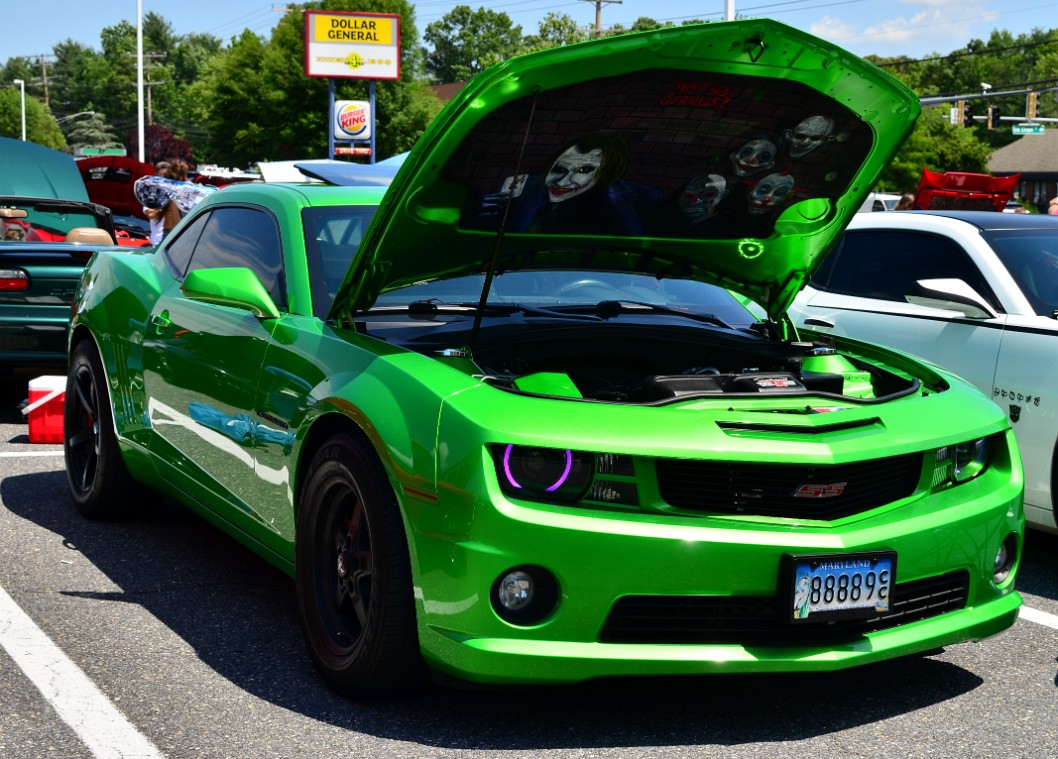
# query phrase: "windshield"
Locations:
[[43, 220], [570, 289], [1031, 257]]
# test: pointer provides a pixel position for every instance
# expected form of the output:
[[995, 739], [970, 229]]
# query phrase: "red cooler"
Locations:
[[44, 410]]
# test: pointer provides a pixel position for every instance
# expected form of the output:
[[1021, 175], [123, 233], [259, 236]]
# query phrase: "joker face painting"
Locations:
[[754, 157], [573, 173], [770, 192], [701, 196], [809, 135]]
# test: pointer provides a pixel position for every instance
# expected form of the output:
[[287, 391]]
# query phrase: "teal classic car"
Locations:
[[535, 412], [48, 231]]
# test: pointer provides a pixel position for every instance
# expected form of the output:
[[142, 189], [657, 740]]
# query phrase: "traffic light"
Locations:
[[1030, 107], [993, 116], [968, 115]]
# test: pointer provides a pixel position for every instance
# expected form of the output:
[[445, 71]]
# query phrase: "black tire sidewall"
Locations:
[[385, 659], [110, 491]]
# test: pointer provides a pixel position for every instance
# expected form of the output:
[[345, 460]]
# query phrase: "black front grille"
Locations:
[[786, 490], [761, 620]]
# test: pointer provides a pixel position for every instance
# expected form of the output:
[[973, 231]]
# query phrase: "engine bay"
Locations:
[[644, 364]]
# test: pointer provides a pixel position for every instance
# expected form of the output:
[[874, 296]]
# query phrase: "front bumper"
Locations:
[[599, 559]]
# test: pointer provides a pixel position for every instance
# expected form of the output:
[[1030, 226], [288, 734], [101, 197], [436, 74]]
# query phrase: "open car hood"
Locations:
[[733, 153], [34, 171]]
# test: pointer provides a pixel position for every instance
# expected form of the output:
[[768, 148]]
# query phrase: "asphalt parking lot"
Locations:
[[171, 640]]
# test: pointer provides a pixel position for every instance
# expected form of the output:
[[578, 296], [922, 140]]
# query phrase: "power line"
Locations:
[[968, 53]]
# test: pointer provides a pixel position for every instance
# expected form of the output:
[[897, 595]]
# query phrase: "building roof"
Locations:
[[1032, 154], [447, 91]]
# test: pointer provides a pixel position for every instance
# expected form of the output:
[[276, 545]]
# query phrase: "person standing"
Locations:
[[164, 218], [906, 202], [156, 216]]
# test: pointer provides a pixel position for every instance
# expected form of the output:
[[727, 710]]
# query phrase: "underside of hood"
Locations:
[[733, 153], [34, 171]]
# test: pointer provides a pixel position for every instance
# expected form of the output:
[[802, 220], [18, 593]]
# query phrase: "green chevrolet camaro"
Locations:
[[535, 413]]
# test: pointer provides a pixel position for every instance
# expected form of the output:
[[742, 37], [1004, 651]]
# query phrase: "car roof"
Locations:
[[983, 220], [309, 194]]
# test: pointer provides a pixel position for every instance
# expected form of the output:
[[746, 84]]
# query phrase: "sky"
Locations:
[[915, 28]]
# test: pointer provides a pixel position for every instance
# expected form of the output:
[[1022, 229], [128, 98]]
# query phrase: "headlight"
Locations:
[[562, 475], [543, 474], [970, 459], [962, 462]]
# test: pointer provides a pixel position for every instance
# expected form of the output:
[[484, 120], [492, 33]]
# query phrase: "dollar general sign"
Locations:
[[352, 45]]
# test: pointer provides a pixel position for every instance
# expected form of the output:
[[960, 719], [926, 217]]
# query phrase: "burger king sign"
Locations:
[[352, 120]]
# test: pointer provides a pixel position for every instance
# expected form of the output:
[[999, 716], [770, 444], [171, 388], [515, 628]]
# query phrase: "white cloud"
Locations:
[[937, 26]]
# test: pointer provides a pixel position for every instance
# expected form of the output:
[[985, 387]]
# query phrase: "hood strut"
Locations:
[[491, 266]]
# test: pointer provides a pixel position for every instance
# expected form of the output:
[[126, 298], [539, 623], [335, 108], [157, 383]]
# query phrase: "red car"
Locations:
[[964, 191]]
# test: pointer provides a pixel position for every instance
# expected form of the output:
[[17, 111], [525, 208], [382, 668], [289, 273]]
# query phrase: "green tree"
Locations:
[[188, 59], [120, 77], [89, 131], [936, 144], [466, 41], [227, 106], [77, 79], [645, 24], [556, 30], [41, 127]]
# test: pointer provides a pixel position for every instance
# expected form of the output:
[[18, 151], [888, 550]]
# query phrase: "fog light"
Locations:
[[524, 595], [515, 591], [1005, 559]]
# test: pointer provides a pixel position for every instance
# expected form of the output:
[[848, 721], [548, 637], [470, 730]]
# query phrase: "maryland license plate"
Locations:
[[840, 586]]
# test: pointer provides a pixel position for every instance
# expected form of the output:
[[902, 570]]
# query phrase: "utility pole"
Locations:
[[148, 84], [145, 83], [44, 77], [598, 13]]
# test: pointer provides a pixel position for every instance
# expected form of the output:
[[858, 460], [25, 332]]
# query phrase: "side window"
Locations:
[[886, 265], [332, 239], [178, 250], [239, 236]]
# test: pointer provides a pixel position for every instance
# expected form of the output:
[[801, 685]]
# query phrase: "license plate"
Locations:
[[840, 586]]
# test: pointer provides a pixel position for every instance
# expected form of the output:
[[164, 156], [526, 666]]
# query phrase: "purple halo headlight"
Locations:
[[543, 474]]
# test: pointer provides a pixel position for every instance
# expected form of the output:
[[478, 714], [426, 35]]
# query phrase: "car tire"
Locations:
[[353, 575], [100, 483]]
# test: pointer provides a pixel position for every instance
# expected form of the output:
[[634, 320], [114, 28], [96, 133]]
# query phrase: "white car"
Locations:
[[880, 201], [974, 292]]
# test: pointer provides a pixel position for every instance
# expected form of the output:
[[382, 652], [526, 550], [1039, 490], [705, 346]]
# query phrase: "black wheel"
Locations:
[[353, 575], [100, 484]]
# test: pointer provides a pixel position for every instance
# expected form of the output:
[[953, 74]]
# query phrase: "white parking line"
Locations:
[[1039, 617], [103, 729], [19, 454]]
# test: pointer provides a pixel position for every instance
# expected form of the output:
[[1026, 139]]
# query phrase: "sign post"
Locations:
[[340, 45]]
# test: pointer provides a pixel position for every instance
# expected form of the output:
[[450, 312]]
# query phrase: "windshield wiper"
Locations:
[[607, 309], [435, 306]]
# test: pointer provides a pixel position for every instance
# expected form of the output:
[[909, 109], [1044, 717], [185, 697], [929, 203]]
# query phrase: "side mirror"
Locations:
[[237, 287], [950, 295]]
